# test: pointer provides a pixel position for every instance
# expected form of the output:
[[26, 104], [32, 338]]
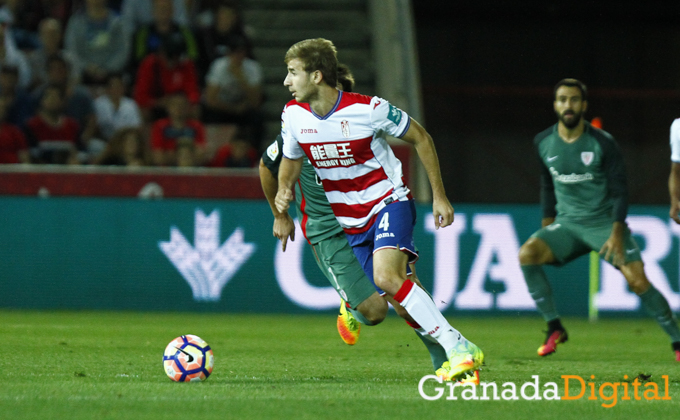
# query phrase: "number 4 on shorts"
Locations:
[[384, 222]]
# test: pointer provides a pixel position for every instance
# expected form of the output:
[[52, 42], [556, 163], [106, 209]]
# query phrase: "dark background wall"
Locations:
[[488, 68]]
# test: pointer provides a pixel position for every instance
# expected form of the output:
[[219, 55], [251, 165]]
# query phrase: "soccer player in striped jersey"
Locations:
[[674, 178], [584, 198], [360, 302], [343, 136]]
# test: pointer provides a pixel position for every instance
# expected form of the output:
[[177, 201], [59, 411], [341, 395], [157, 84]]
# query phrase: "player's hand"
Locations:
[[613, 250], [284, 227], [283, 198], [675, 208], [442, 212]]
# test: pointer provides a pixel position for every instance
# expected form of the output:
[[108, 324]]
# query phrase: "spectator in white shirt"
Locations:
[[233, 92], [10, 55], [114, 110]]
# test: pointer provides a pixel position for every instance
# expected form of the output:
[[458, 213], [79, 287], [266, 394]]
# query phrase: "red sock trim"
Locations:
[[403, 291], [413, 324]]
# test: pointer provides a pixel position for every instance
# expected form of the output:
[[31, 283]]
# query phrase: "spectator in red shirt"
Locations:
[[13, 147], [238, 153], [52, 136], [162, 74], [178, 140]]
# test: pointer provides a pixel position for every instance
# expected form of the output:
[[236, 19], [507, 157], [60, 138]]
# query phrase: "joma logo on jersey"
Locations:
[[308, 131], [332, 154]]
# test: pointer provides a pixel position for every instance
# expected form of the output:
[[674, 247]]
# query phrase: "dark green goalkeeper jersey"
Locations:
[[314, 212], [583, 179]]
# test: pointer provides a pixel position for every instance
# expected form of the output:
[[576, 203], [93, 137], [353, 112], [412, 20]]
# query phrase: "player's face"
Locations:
[[569, 105], [299, 82]]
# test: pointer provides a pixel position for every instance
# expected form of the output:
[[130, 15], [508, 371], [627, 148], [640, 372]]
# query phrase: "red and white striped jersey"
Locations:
[[350, 154]]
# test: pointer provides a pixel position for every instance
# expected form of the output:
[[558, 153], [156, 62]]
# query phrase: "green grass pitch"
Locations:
[[108, 365]]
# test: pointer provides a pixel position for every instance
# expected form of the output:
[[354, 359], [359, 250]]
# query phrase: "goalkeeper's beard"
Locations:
[[570, 122]]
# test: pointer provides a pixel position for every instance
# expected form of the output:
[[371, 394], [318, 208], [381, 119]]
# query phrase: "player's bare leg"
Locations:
[[373, 309], [654, 302], [389, 273], [532, 256]]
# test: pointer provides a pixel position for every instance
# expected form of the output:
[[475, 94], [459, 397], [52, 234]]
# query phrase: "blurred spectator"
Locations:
[[163, 74], [148, 37], [53, 136], [24, 38], [18, 101], [78, 100], [51, 36], [178, 140], [27, 14], [126, 148], [10, 55], [136, 13], [116, 6], [114, 110], [217, 38], [97, 39], [233, 92], [236, 154], [13, 146]]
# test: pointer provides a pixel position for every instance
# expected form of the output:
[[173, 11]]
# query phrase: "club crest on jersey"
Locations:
[[345, 128], [587, 158]]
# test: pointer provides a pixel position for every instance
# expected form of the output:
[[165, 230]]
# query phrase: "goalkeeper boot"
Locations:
[[348, 326], [464, 360], [552, 339]]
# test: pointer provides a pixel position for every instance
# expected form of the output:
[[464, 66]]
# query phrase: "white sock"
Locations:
[[423, 310], [425, 335]]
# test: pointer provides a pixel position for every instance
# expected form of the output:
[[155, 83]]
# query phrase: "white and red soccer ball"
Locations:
[[188, 359]]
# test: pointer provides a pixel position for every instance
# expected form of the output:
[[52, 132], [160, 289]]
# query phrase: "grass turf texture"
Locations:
[[108, 365]]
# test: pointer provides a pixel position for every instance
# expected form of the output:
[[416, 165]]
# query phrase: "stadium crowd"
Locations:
[[128, 82]]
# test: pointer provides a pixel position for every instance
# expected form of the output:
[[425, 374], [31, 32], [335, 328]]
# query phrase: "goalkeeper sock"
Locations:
[[540, 291], [657, 306]]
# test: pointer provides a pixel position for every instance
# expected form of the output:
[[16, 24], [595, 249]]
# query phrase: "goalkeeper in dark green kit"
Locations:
[[584, 200]]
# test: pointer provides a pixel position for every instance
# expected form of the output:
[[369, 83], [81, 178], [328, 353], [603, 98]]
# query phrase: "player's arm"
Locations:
[[289, 172], [615, 171], [547, 194], [284, 227], [548, 199], [421, 139], [674, 191]]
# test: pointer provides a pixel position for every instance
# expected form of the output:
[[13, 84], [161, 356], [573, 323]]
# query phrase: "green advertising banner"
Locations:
[[219, 255]]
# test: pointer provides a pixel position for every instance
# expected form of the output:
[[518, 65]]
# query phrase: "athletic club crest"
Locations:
[[587, 158], [345, 128]]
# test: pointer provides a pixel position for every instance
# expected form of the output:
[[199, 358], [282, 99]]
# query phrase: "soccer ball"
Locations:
[[187, 359]]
